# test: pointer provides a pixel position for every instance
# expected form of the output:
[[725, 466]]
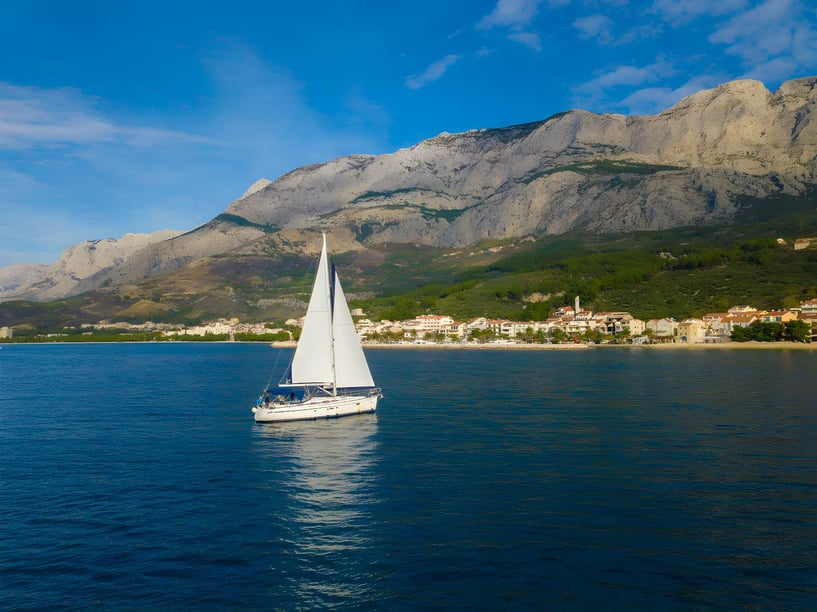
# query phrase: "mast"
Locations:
[[331, 331]]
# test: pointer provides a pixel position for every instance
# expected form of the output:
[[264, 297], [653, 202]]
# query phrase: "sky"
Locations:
[[136, 116]]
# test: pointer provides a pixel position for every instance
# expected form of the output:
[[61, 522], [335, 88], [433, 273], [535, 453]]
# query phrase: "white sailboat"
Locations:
[[328, 365]]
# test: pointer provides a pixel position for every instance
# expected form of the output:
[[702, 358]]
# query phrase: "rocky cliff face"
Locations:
[[75, 267], [606, 173], [577, 170]]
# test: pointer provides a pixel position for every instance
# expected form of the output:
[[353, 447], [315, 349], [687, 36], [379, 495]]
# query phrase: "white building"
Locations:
[[432, 323], [808, 307], [663, 328], [692, 331]]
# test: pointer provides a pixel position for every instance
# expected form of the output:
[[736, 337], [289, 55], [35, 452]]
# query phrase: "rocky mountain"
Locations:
[[689, 165], [76, 268]]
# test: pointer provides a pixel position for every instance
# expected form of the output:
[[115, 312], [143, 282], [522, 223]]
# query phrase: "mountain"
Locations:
[[76, 268], [693, 164]]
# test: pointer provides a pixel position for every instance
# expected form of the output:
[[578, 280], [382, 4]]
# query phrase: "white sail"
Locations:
[[312, 363], [351, 368], [329, 351], [329, 362]]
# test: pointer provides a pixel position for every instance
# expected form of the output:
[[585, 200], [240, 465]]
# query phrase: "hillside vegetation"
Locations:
[[681, 272]]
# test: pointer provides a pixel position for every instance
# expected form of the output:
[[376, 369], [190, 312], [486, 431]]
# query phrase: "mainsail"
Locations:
[[328, 352]]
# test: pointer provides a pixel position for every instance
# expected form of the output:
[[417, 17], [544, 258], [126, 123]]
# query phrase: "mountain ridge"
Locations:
[[688, 165]]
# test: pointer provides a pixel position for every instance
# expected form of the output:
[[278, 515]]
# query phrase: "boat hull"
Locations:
[[315, 408]]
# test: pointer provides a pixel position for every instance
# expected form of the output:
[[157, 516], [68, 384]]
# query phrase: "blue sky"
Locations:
[[124, 116]]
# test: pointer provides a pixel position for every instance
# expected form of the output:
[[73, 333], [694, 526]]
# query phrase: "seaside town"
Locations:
[[567, 325]]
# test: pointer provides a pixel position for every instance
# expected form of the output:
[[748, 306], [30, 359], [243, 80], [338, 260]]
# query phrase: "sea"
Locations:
[[132, 476]]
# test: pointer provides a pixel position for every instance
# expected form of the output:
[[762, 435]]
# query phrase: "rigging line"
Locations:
[[274, 366], [309, 274]]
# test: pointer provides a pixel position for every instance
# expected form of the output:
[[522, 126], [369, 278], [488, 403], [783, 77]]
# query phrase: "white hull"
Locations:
[[315, 408]]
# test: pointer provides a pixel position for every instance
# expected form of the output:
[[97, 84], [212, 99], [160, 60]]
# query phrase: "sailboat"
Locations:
[[328, 364]]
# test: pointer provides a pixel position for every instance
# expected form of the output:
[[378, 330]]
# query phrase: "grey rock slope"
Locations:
[[684, 166], [605, 173], [74, 270]]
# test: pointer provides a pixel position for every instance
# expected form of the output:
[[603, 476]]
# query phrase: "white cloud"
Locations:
[[516, 15], [681, 12], [763, 31], [651, 100], [510, 13], [31, 117], [804, 53], [529, 39], [773, 39], [772, 71], [595, 26], [432, 73], [635, 89], [81, 171], [626, 76]]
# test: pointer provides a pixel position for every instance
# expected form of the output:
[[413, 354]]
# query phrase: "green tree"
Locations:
[[623, 337], [482, 335], [741, 334], [405, 308], [797, 331], [760, 331]]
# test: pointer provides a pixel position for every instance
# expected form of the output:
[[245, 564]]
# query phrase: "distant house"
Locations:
[[742, 309], [692, 331], [432, 323], [663, 328], [732, 321], [713, 317], [637, 327], [455, 330], [779, 316], [478, 323], [565, 312], [808, 307], [614, 323]]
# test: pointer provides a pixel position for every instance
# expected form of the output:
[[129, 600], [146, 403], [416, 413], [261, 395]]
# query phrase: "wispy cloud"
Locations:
[[515, 15], [651, 100], [510, 13], [31, 117], [72, 168], [772, 39], [529, 39], [432, 73], [681, 12], [626, 76], [598, 27], [627, 80]]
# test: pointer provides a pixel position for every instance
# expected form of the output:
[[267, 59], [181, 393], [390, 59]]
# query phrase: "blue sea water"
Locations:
[[133, 476]]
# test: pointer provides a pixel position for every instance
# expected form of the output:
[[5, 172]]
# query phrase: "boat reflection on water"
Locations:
[[326, 474]]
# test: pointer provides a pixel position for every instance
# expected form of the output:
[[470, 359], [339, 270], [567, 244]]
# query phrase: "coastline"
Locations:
[[751, 345]]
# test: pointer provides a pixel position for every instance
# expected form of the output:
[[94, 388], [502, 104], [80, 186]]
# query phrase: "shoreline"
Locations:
[[751, 345]]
